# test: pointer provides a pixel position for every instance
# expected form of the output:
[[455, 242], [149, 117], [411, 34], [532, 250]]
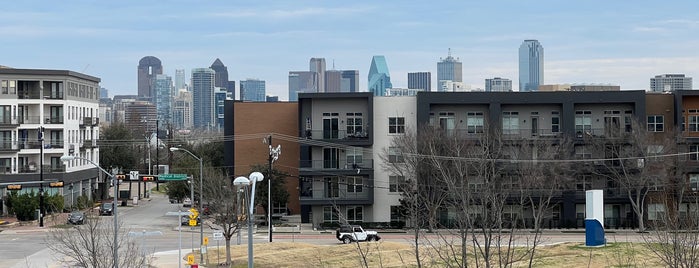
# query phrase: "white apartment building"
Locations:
[[65, 105]]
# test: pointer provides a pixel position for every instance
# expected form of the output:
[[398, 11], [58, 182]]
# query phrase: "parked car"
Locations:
[[76, 217], [174, 200], [351, 233], [107, 209], [187, 202]]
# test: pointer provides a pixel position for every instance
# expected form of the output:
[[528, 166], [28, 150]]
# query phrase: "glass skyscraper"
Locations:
[[203, 97], [252, 90], [531, 65], [420, 80], [379, 78], [449, 68], [163, 97]]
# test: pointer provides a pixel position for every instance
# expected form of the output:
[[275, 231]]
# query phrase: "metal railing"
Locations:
[[335, 135], [337, 164]]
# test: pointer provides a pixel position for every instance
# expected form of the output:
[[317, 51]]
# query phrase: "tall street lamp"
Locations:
[[241, 181], [201, 197], [67, 158]]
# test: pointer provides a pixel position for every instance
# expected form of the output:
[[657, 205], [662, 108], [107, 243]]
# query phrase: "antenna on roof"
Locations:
[[333, 64], [449, 53]]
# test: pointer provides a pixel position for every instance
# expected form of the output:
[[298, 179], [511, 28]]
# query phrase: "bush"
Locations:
[[83, 202], [24, 205]]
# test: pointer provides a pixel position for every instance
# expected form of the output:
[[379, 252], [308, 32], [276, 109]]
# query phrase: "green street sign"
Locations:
[[172, 177]]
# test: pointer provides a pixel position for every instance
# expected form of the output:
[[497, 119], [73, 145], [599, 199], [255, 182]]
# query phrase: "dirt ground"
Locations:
[[392, 254]]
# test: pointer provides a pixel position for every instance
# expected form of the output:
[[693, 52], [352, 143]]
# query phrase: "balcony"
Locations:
[[8, 146], [32, 168], [53, 120], [322, 193], [9, 122], [601, 133], [29, 144], [29, 119], [337, 136], [335, 165]]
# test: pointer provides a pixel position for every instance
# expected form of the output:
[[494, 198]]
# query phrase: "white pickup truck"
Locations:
[[350, 233]]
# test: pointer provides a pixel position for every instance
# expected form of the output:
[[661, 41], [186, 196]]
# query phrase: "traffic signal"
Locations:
[[120, 176], [149, 178], [56, 184], [14, 187]]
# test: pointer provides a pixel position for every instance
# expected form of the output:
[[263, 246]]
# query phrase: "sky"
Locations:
[[611, 42]]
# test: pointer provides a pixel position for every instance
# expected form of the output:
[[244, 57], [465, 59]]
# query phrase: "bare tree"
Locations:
[[225, 210], [92, 245], [634, 159]]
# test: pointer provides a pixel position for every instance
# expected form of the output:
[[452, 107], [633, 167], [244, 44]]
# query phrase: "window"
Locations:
[[395, 155], [330, 158], [581, 152], [612, 123], [354, 158], [395, 183], [583, 123], [694, 182], [330, 214], [396, 214], [656, 212], [510, 122], [355, 213], [583, 183], [354, 184], [354, 124], [474, 122], [656, 123], [332, 187], [396, 125], [447, 122], [330, 125], [555, 122], [627, 121], [693, 124], [3, 85], [694, 152]]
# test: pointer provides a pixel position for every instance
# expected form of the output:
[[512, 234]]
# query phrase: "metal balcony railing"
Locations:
[[335, 134], [337, 164]]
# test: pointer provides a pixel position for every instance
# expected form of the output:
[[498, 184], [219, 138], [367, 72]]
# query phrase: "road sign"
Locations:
[[194, 214], [206, 241], [172, 177], [218, 236], [190, 259], [192, 222]]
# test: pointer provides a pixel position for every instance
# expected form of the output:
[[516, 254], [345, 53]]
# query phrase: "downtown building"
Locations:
[[531, 65], [498, 84], [148, 68], [253, 90], [65, 105], [203, 97], [318, 79], [379, 78], [420, 80], [670, 82]]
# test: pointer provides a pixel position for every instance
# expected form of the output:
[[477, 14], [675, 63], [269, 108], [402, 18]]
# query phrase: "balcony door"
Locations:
[[331, 158], [331, 126]]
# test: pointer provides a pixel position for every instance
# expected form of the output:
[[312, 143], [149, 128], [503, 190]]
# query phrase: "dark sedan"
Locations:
[[76, 217]]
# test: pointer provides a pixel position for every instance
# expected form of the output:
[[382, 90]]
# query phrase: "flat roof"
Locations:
[[48, 73]]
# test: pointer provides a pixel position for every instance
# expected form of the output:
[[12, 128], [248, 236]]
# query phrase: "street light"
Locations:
[[201, 197], [241, 181], [115, 184]]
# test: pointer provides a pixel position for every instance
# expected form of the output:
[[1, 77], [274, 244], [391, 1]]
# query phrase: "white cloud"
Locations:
[[292, 13]]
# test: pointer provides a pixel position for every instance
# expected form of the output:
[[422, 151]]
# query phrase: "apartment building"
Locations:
[[65, 105]]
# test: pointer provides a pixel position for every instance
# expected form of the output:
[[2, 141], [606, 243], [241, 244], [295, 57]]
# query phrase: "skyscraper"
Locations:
[[449, 68], [203, 97], [252, 90], [182, 110], [317, 65], [379, 78], [148, 68], [221, 70], [163, 97], [531, 65], [302, 81], [420, 80], [498, 84], [670, 82], [350, 81], [333, 81], [179, 80], [220, 97]]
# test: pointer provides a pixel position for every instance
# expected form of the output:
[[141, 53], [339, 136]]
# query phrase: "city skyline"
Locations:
[[267, 40]]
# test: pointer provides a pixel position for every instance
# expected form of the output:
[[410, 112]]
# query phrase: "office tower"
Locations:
[[104, 93], [451, 86], [349, 81], [379, 78], [531, 65], [252, 90], [163, 97], [148, 68], [498, 84], [220, 96], [670, 82], [449, 68], [180, 79], [231, 87], [301, 81], [221, 70], [203, 97], [420, 80], [317, 65], [272, 98], [182, 110], [333, 81]]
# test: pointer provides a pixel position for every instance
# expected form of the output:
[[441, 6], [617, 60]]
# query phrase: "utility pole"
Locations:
[[157, 152], [41, 177], [273, 156]]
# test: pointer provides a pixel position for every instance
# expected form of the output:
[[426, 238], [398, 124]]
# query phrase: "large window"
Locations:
[[555, 122], [447, 122], [332, 187], [656, 212], [583, 183], [510, 123], [693, 121], [583, 123], [395, 183], [612, 124], [355, 184], [694, 182], [355, 213], [331, 128], [656, 123], [355, 124], [582, 152], [354, 158], [474, 122], [330, 214], [396, 125], [395, 155], [694, 152], [396, 214]]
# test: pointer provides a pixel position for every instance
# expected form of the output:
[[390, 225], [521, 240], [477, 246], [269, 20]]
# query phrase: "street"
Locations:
[[25, 246]]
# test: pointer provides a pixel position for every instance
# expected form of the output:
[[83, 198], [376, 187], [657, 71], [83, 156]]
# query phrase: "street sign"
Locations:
[[206, 241], [192, 222], [218, 236], [172, 177], [190, 259], [194, 214]]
